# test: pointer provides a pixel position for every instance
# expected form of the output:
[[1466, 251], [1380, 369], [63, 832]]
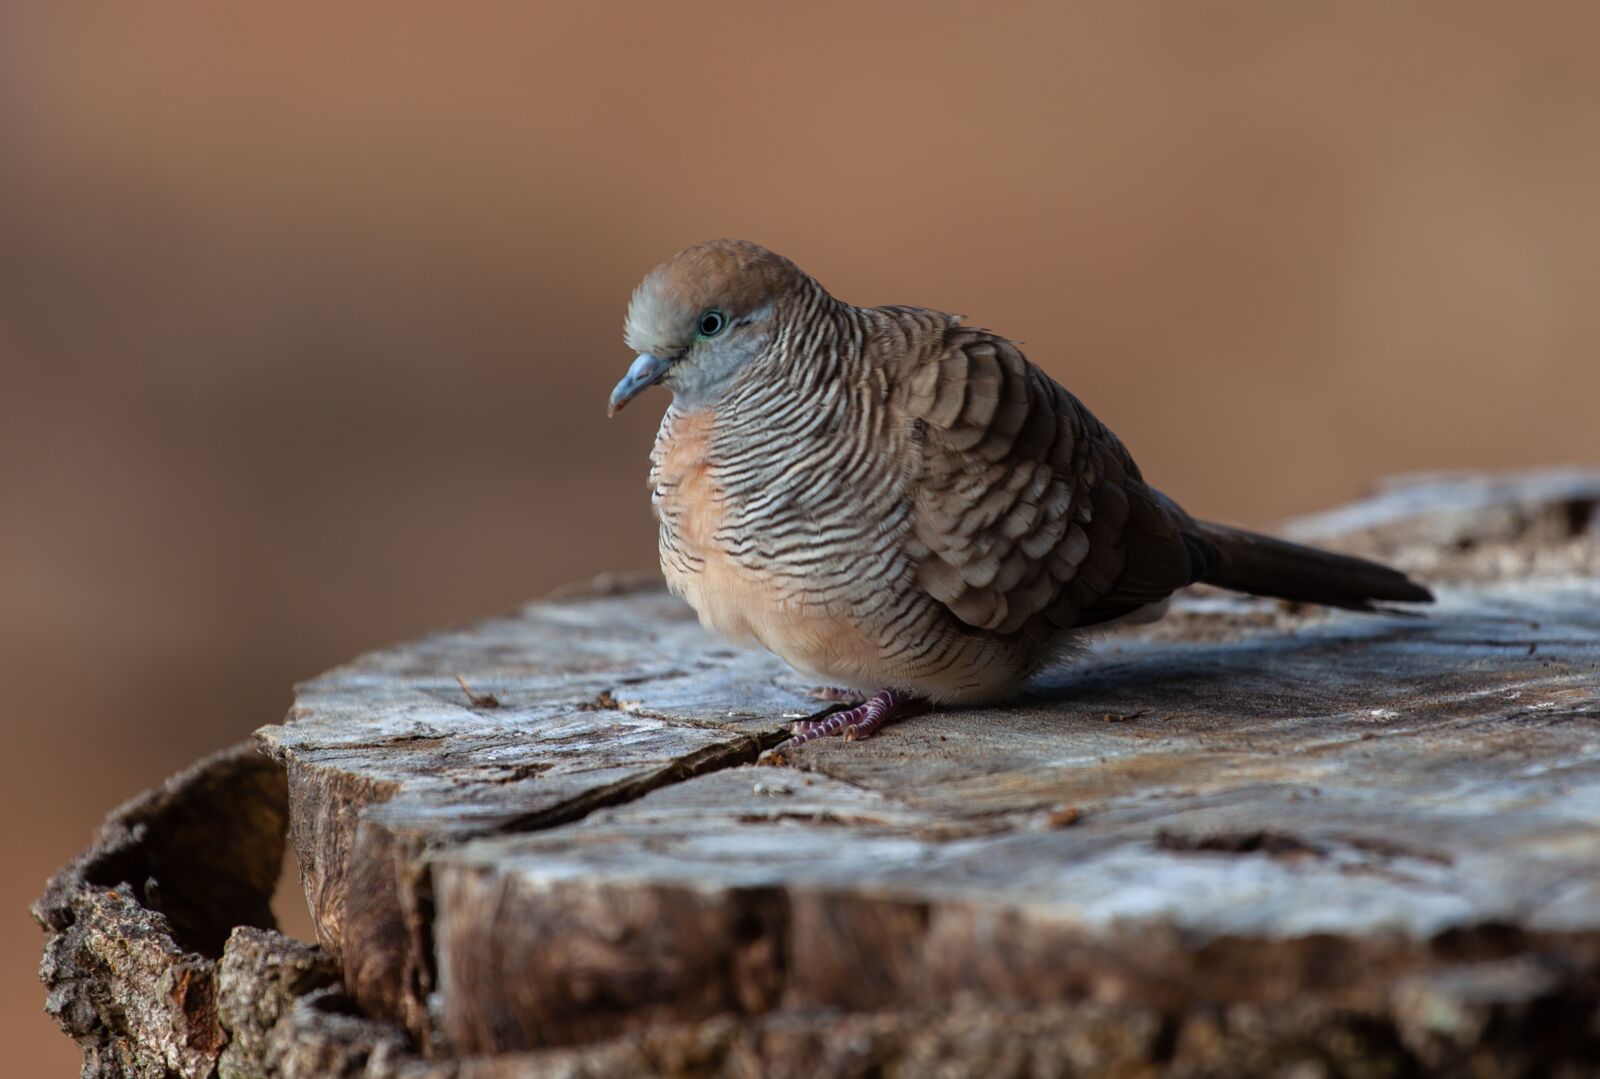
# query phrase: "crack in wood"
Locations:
[[743, 749]]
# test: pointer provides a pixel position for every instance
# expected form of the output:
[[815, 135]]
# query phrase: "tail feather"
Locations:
[[1263, 566]]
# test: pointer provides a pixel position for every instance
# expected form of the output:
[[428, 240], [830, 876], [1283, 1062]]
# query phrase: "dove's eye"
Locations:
[[712, 323]]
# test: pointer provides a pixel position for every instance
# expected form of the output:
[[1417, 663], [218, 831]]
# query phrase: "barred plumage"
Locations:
[[892, 500]]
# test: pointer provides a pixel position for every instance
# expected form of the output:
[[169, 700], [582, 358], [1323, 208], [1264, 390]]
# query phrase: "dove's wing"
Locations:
[[1029, 514]]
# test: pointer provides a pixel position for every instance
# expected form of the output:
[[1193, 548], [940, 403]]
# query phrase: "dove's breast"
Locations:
[[742, 598], [786, 541]]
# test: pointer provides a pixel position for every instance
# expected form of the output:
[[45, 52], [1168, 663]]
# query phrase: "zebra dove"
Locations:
[[899, 504]]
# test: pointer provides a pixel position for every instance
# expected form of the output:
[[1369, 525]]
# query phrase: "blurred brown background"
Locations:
[[308, 315]]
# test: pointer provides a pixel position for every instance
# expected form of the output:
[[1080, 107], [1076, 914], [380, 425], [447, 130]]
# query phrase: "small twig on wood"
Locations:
[[484, 700], [1111, 717]]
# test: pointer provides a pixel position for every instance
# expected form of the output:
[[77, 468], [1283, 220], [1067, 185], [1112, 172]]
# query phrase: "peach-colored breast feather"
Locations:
[[729, 599]]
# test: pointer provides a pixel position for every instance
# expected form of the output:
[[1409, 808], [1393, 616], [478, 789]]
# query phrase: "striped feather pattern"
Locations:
[[891, 500], [893, 472]]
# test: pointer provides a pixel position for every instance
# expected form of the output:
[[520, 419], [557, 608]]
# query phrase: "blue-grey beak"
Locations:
[[646, 371]]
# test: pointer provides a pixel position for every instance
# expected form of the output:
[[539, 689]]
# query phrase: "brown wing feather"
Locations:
[[1030, 515]]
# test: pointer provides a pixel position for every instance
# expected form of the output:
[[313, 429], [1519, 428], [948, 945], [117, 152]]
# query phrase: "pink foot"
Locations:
[[853, 723]]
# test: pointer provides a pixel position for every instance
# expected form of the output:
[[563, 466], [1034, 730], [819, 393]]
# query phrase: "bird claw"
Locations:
[[861, 721]]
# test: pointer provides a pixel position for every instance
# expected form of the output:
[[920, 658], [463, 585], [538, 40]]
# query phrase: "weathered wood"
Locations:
[[1248, 836], [136, 923]]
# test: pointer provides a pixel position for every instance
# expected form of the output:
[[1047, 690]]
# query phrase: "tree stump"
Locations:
[[1249, 838]]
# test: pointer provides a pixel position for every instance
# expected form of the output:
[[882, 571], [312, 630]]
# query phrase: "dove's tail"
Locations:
[[1263, 566]]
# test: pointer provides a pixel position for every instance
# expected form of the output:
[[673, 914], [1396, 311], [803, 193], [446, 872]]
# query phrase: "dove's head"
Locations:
[[702, 315]]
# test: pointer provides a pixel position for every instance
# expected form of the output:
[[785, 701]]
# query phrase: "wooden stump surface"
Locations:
[[1248, 836]]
